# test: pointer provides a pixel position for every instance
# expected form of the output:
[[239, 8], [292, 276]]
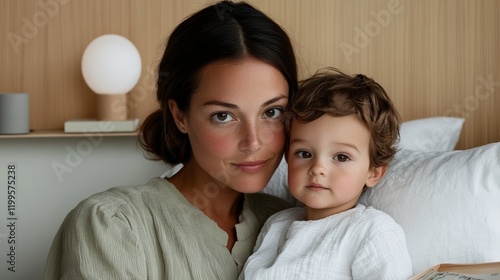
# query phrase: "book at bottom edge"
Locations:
[[450, 271], [94, 126]]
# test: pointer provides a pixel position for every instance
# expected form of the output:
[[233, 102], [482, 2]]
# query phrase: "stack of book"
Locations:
[[97, 126]]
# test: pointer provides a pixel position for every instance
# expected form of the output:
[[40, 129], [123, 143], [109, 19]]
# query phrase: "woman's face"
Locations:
[[234, 124]]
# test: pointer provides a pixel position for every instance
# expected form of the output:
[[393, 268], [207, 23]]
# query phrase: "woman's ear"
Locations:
[[376, 173], [178, 116]]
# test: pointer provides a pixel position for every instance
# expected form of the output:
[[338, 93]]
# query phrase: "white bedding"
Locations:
[[448, 203]]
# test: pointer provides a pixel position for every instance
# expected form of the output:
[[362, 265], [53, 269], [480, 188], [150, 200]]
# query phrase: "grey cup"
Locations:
[[14, 113]]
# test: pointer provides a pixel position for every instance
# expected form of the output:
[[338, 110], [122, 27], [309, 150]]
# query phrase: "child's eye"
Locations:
[[303, 154], [342, 158], [273, 113], [221, 117]]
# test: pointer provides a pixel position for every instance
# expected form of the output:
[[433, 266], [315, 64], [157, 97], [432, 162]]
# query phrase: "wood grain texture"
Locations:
[[434, 58]]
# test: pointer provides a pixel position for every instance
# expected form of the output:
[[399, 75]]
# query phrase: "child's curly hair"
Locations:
[[329, 91]]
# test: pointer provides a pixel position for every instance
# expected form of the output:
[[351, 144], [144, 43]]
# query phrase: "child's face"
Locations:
[[329, 163]]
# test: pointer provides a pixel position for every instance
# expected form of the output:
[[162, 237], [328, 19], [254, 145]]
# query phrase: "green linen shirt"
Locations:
[[152, 232]]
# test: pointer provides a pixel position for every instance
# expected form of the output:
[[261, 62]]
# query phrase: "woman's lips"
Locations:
[[251, 167]]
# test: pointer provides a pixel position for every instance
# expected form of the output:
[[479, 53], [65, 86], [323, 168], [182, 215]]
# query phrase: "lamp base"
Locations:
[[111, 107]]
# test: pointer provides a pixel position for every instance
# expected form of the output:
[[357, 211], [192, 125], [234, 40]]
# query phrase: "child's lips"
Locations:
[[316, 187]]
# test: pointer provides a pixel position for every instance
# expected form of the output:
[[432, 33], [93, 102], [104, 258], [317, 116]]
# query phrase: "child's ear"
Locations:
[[376, 173]]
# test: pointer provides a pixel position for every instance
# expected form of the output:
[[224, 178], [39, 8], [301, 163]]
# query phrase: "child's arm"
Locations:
[[384, 255]]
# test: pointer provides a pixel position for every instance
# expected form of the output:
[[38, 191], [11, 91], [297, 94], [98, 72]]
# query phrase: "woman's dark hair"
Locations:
[[223, 31]]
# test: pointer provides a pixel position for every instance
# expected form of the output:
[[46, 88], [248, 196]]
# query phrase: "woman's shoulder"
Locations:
[[267, 202], [265, 205], [107, 203]]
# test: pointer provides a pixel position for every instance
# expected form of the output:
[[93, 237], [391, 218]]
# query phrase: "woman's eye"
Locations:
[[341, 158], [221, 117], [303, 154], [273, 113]]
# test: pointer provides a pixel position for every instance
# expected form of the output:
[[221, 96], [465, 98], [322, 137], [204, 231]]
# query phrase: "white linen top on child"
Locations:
[[360, 243]]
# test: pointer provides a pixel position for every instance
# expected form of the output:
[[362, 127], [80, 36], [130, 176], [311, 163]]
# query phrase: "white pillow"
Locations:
[[430, 134], [448, 204]]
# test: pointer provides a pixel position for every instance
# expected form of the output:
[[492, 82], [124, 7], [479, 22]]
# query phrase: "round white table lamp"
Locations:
[[111, 67]]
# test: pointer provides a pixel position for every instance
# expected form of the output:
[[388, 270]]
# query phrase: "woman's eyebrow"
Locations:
[[233, 106], [221, 103], [273, 100]]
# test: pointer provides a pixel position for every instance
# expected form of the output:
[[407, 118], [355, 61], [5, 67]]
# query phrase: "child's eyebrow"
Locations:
[[299, 140], [296, 140], [347, 145]]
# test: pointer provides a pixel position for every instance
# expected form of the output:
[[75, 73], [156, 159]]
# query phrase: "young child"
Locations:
[[342, 132]]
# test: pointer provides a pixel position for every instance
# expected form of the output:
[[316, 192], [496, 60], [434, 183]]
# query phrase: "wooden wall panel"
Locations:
[[433, 57]]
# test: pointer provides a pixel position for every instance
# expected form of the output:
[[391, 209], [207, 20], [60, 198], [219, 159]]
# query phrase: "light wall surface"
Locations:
[[52, 175], [434, 58]]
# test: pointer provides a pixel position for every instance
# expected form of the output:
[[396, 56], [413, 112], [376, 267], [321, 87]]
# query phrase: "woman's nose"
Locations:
[[251, 138]]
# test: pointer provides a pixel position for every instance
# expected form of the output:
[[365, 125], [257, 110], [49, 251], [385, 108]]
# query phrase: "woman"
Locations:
[[224, 81]]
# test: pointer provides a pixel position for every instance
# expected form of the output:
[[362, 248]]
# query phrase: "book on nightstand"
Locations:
[[480, 271], [96, 126]]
